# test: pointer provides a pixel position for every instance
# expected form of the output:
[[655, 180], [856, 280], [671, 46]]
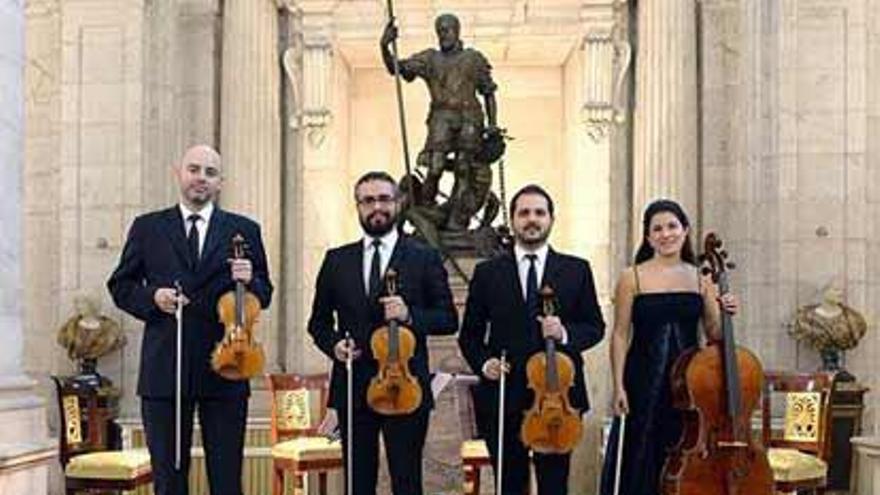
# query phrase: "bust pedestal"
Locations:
[[847, 403]]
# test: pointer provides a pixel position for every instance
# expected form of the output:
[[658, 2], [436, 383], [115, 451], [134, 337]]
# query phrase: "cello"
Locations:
[[238, 356], [393, 390], [551, 426], [717, 388]]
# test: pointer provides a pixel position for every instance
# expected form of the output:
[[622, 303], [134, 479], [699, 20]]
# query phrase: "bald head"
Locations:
[[200, 153], [199, 176]]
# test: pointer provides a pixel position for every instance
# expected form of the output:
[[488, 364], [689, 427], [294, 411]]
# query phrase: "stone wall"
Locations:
[[787, 167], [789, 174]]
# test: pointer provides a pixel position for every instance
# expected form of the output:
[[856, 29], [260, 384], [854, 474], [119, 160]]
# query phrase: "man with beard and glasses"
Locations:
[[350, 297], [190, 244], [502, 314]]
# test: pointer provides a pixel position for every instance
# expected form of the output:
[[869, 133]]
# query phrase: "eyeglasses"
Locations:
[[384, 199]]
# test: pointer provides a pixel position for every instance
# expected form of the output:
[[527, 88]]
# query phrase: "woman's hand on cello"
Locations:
[[729, 303]]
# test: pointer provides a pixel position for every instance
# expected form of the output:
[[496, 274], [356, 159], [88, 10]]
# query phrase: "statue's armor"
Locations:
[[455, 121]]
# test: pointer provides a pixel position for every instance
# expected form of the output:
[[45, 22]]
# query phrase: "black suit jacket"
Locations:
[[341, 304], [154, 256], [496, 319]]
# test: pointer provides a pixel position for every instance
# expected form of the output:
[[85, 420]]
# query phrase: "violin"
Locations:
[[393, 390], [551, 426], [718, 388], [238, 356]]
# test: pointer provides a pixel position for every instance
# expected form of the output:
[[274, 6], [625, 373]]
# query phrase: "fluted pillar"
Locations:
[[250, 129], [23, 436], [665, 120], [11, 141]]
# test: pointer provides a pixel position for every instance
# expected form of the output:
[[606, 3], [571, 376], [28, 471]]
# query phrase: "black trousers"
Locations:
[[551, 470], [223, 422], [404, 438]]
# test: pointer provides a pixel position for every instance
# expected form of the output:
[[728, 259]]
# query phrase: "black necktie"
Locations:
[[192, 238], [375, 269], [532, 286]]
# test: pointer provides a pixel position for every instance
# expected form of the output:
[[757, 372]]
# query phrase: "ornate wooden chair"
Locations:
[[86, 447], [299, 403], [799, 451]]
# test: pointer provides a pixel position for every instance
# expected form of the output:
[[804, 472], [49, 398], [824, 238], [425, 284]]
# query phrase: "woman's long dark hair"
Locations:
[[645, 251]]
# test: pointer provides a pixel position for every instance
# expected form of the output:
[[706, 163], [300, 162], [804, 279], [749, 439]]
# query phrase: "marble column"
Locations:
[[665, 120], [250, 131], [22, 412]]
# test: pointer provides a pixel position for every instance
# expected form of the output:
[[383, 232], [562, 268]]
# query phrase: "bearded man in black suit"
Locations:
[[349, 297]]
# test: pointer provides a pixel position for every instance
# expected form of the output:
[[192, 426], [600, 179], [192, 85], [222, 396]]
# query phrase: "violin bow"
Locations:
[[348, 415], [619, 461], [501, 391], [178, 315]]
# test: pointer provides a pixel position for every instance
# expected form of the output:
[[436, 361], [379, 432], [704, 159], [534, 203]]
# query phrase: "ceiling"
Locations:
[[508, 32]]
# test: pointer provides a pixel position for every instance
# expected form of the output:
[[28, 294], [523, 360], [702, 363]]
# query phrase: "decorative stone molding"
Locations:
[[291, 60], [317, 66], [606, 57], [606, 61], [308, 66]]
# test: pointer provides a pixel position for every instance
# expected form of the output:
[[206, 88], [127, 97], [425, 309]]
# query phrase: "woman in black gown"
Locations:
[[659, 302]]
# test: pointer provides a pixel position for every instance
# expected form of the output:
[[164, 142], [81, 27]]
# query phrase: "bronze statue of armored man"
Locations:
[[462, 137]]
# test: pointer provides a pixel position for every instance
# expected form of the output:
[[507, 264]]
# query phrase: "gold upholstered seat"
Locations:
[[86, 442], [299, 403], [798, 453], [109, 465], [308, 449], [792, 465]]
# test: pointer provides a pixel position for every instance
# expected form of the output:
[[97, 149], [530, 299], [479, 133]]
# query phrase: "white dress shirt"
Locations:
[[522, 265], [201, 225], [388, 241]]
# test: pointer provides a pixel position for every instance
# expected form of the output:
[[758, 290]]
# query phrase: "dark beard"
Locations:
[[378, 230], [532, 243]]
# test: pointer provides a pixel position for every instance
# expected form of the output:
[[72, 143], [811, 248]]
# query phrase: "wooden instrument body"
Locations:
[[551, 425], [393, 391], [716, 455], [717, 388], [238, 355]]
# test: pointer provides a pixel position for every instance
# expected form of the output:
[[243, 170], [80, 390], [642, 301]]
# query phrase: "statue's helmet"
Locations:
[[447, 20]]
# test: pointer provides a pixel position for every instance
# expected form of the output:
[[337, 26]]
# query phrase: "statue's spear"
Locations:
[[400, 112]]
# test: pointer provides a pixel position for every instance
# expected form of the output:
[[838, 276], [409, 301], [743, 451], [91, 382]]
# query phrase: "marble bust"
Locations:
[[829, 326], [88, 335]]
